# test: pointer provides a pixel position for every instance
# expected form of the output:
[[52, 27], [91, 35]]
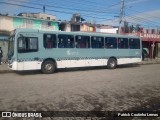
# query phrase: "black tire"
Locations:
[[48, 67], [112, 63]]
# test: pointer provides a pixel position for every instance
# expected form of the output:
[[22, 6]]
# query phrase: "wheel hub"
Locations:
[[112, 64], [48, 67]]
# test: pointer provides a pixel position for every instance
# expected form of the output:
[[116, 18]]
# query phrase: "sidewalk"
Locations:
[[150, 61], [4, 66]]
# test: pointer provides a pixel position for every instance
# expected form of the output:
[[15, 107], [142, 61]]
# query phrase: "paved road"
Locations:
[[125, 88]]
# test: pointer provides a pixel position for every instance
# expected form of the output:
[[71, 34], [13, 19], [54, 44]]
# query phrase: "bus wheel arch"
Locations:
[[112, 63], [48, 66]]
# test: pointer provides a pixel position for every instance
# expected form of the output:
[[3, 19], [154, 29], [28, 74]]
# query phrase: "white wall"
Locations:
[[68, 28], [108, 30], [6, 23]]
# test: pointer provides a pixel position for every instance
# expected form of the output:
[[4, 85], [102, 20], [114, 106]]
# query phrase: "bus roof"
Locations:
[[75, 33]]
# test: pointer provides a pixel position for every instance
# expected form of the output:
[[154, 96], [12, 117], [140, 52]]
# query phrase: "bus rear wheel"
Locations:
[[112, 63], [48, 67]]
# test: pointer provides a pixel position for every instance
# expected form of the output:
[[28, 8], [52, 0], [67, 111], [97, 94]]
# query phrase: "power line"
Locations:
[[102, 7], [87, 15], [144, 13], [46, 9], [93, 11], [91, 4], [142, 20], [136, 23], [84, 14], [54, 4], [21, 5]]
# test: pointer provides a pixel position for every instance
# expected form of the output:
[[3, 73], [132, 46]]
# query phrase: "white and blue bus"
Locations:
[[31, 49]]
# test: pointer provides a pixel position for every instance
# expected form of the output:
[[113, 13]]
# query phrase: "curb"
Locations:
[[148, 63], [6, 71]]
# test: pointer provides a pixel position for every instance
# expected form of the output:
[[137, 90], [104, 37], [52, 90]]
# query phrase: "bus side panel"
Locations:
[[71, 57], [124, 56], [20, 66], [81, 63], [128, 60]]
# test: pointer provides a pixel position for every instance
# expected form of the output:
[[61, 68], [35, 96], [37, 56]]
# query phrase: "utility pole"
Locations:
[[121, 15], [44, 8]]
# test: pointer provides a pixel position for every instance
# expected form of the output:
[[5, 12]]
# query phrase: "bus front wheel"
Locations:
[[48, 67], [112, 63]]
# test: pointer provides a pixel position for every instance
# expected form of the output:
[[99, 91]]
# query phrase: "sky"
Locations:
[[146, 13]]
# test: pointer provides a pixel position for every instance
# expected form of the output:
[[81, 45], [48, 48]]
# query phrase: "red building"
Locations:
[[150, 40]]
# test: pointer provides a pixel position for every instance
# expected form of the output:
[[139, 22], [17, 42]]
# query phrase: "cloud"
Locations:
[[150, 17], [146, 18]]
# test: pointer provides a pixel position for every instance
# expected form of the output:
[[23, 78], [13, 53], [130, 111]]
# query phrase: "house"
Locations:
[[24, 20]]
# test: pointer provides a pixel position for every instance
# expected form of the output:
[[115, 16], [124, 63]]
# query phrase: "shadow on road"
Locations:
[[28, 72], [32, 72], [128, 66]]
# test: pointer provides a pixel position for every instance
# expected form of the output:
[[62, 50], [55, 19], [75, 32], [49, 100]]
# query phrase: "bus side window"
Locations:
[[21, 43], [134, 43], [82, 41], [60, 43], [123, 43], [97, 42], [27, 44], [110, 42], [49, 41], [65, 41]]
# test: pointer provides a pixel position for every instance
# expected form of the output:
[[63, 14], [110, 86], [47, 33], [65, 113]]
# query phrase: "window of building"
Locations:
[[97, 42], [48, 18], [110, 42], [134, 43], [27, 44], [147, 31], [28, 23], [49, 41], [82, 41], [65, 41], [123, 43], [46, 24], [153, 31], [49, 24]]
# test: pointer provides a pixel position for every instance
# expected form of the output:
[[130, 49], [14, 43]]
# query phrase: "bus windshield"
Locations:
[[11, 47]]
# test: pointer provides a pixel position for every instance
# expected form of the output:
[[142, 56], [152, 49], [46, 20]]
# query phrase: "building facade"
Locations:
[[150, 39], [9, 23]]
